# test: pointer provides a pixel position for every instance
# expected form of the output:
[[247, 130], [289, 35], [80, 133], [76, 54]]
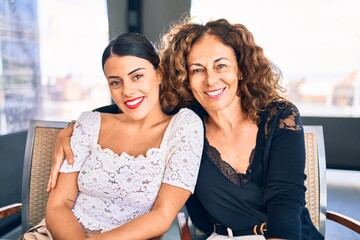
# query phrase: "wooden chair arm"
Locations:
[[344, 220], [10, 210], [183, 227]]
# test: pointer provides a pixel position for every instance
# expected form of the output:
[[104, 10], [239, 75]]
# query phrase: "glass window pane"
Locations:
[[316, 44], [50, 64], [73, 35]]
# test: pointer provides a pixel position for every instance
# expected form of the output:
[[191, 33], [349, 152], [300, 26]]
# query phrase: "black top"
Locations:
[[272, 190]]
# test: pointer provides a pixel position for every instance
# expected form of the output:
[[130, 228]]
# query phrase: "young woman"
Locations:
[[134, 170]]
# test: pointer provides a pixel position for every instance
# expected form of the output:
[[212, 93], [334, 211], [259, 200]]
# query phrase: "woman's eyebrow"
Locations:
[[137, 69], [117, 77], [215, 61], [111, 77], [219, 59], [195, 64]]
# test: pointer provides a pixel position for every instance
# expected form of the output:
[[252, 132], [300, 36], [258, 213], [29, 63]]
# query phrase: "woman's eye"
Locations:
[[220, 66], [198, 70], [115, 83], [138, 76]]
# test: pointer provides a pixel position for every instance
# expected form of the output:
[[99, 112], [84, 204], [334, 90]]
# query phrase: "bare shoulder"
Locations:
[[110, 119]]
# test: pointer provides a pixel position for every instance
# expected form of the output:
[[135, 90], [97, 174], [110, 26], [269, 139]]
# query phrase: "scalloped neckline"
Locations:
[[149, 152]]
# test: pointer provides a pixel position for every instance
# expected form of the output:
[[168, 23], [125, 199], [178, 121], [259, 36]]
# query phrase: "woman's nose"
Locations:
[[128, 89], [211, 78]]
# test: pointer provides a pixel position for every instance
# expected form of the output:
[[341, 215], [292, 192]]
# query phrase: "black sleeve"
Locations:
[[285, 189], [113, 108], [198, 214]]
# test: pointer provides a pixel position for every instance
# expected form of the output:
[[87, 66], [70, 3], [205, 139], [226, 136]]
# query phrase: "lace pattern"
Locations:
[[225, 168], [114, 189], [289, 119]]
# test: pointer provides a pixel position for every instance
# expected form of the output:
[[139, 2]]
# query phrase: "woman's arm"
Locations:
[[285, 189], [60, 219], [62, 151], [198, 214], [62, 147], [155, 223]]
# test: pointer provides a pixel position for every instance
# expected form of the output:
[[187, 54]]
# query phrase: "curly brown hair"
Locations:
[[259, 85]]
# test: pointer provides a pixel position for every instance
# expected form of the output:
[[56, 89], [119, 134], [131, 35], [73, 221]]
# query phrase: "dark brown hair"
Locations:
[[259, 85]]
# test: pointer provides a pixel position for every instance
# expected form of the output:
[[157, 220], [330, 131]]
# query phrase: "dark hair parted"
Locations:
[[137, 45], [259, 84], [131, 44]]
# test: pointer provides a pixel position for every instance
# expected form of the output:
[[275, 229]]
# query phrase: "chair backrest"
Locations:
[[37, 164], [315, 169]]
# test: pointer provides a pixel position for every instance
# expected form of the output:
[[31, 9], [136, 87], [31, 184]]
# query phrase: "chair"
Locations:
[[315, 169], [37, 164]]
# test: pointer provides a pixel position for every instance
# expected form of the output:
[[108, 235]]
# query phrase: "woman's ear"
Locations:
[[239, 75]]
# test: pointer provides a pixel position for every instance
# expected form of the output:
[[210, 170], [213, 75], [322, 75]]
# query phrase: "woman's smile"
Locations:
[[216, 93], [134, 103]]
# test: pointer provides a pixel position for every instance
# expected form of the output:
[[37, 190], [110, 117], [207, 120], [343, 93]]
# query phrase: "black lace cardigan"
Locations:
[[272, 189]]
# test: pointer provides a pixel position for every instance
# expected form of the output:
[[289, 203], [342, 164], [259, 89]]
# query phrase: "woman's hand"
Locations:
[[62, 151]]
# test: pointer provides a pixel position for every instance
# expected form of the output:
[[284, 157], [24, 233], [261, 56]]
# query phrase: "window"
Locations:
[[316, 44], [50, 64]]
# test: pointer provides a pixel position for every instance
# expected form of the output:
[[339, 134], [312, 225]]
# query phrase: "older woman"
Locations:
[[251, 178]]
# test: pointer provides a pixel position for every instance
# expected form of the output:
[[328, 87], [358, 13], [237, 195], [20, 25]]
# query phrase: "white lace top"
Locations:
[[114, 189]]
